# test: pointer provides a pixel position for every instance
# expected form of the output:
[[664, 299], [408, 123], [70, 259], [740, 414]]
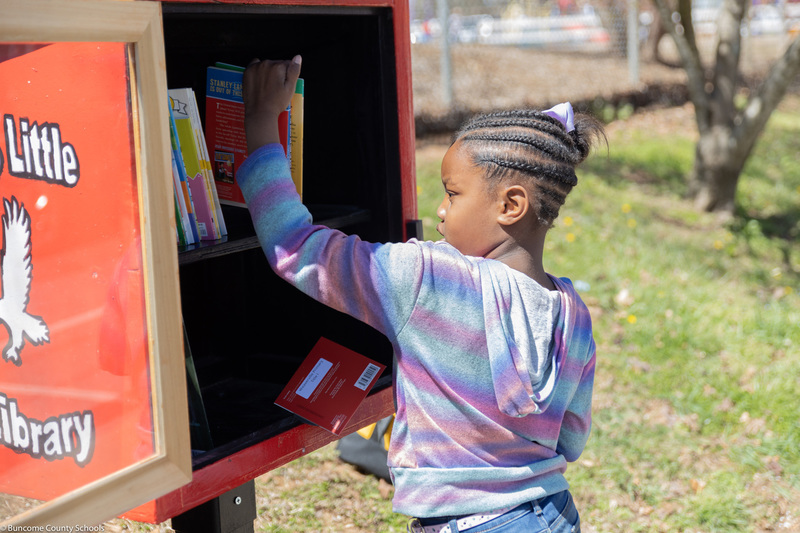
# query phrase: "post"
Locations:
[[633, 41], [446, 72], [233, 512]]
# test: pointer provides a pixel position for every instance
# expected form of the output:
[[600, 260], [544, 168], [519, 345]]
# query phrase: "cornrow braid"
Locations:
[[534, 148], [541, 171], [547, 123], [559, 153]]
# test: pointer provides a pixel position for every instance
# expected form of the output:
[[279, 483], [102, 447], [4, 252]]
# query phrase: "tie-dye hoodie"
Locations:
[[493, 377]]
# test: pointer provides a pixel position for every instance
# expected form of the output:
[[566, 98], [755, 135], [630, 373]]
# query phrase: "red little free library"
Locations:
[[80, 398]]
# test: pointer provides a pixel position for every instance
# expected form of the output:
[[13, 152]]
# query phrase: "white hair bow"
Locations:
[[564, 114]]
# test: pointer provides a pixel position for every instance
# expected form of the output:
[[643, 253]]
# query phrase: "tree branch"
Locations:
[[685, 11], [691, 63], [751, 120], [726, 69]]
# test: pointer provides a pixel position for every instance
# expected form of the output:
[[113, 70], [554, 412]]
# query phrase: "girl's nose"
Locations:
[[441, 211]]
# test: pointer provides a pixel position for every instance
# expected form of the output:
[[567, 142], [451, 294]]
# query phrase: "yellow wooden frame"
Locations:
[[139, 24]]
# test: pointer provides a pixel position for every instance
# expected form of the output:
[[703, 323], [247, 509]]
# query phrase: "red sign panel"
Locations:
[[74, 371]]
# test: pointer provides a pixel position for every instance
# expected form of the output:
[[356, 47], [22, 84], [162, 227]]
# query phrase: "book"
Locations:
[[181, 236], [330, 384], [182, 221], [205, 160], [188, 220], [296, 120], [225, 135], [180, 102]]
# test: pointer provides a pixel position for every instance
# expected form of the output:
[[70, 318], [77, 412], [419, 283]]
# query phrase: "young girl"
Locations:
[[494, 357]]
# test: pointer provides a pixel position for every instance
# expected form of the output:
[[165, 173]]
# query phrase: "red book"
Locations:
[[225, 137], [329, 386]]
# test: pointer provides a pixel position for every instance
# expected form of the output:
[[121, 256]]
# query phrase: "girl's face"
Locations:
[[469, 209]]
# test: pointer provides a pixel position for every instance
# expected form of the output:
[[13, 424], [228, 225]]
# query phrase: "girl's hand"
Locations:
[[267, 90]]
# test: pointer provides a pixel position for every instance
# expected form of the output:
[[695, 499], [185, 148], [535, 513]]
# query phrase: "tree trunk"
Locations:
[[716, 171]]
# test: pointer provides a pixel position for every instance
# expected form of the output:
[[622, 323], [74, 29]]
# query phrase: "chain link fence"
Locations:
[[607, 56]]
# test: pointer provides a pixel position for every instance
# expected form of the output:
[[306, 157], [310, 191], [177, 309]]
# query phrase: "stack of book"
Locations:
[[198, 211], [205, 161]]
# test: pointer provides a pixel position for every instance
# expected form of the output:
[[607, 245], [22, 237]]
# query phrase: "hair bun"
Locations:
[[588, 131]]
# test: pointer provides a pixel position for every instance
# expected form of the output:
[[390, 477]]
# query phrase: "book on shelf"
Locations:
[[225, 135], [330, 384], [187, 228], [183, 105], [295, 143], [208, 173], [184, 218], [181, 236]]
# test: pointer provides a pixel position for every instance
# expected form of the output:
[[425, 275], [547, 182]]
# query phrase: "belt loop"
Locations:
[[537, 507], [453, 525]]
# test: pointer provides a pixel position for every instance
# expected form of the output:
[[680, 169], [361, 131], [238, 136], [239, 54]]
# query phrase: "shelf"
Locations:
[[271, 420], [241, 235]]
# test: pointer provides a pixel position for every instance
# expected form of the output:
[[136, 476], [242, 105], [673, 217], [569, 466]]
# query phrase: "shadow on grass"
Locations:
[[783, 229], [653, 166]]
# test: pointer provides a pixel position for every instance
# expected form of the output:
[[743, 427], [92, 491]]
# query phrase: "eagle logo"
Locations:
[[16, 277]]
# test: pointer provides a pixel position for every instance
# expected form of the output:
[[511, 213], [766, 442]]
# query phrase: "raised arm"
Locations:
[[268, 87]]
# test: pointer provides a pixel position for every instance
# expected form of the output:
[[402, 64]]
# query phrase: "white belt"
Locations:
[[462, 523]]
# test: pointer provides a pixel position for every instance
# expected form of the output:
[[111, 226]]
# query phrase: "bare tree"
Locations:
[[727, 133]]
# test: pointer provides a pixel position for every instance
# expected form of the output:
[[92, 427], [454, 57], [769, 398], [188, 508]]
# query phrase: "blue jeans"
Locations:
[[551, 514]]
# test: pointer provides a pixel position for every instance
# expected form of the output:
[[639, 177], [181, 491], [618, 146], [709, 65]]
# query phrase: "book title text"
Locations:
[[224, 88]]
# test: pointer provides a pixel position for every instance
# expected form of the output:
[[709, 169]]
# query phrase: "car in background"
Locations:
[[764, 19], [580, 30]]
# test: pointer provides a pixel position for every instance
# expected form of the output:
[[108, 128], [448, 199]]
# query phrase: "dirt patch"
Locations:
[[486, 78]]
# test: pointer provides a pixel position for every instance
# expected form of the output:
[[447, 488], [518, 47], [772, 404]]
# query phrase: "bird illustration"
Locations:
[[16, 281]]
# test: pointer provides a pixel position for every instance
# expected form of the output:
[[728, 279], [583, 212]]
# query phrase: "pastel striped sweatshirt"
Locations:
[[493, 373]]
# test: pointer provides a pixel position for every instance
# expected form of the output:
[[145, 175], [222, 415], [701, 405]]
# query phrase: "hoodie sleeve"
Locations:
[[578, 417], [576, 329], [375, 283]]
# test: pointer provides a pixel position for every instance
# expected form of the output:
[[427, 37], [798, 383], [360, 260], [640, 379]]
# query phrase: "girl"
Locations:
[[494, 357]]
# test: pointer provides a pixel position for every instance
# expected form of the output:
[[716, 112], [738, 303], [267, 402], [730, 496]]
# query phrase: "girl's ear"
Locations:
[[515, 203]]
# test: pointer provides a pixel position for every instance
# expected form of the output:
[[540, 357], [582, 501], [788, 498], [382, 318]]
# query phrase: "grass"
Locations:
[[696, 424]]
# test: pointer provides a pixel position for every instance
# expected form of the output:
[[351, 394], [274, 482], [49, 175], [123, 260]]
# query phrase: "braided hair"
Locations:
[[532, 148]]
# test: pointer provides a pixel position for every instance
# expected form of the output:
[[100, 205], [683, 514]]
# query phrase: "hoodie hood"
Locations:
[[525, 327]]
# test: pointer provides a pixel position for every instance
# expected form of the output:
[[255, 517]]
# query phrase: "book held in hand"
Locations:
[[329, 386], [227, 144]]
